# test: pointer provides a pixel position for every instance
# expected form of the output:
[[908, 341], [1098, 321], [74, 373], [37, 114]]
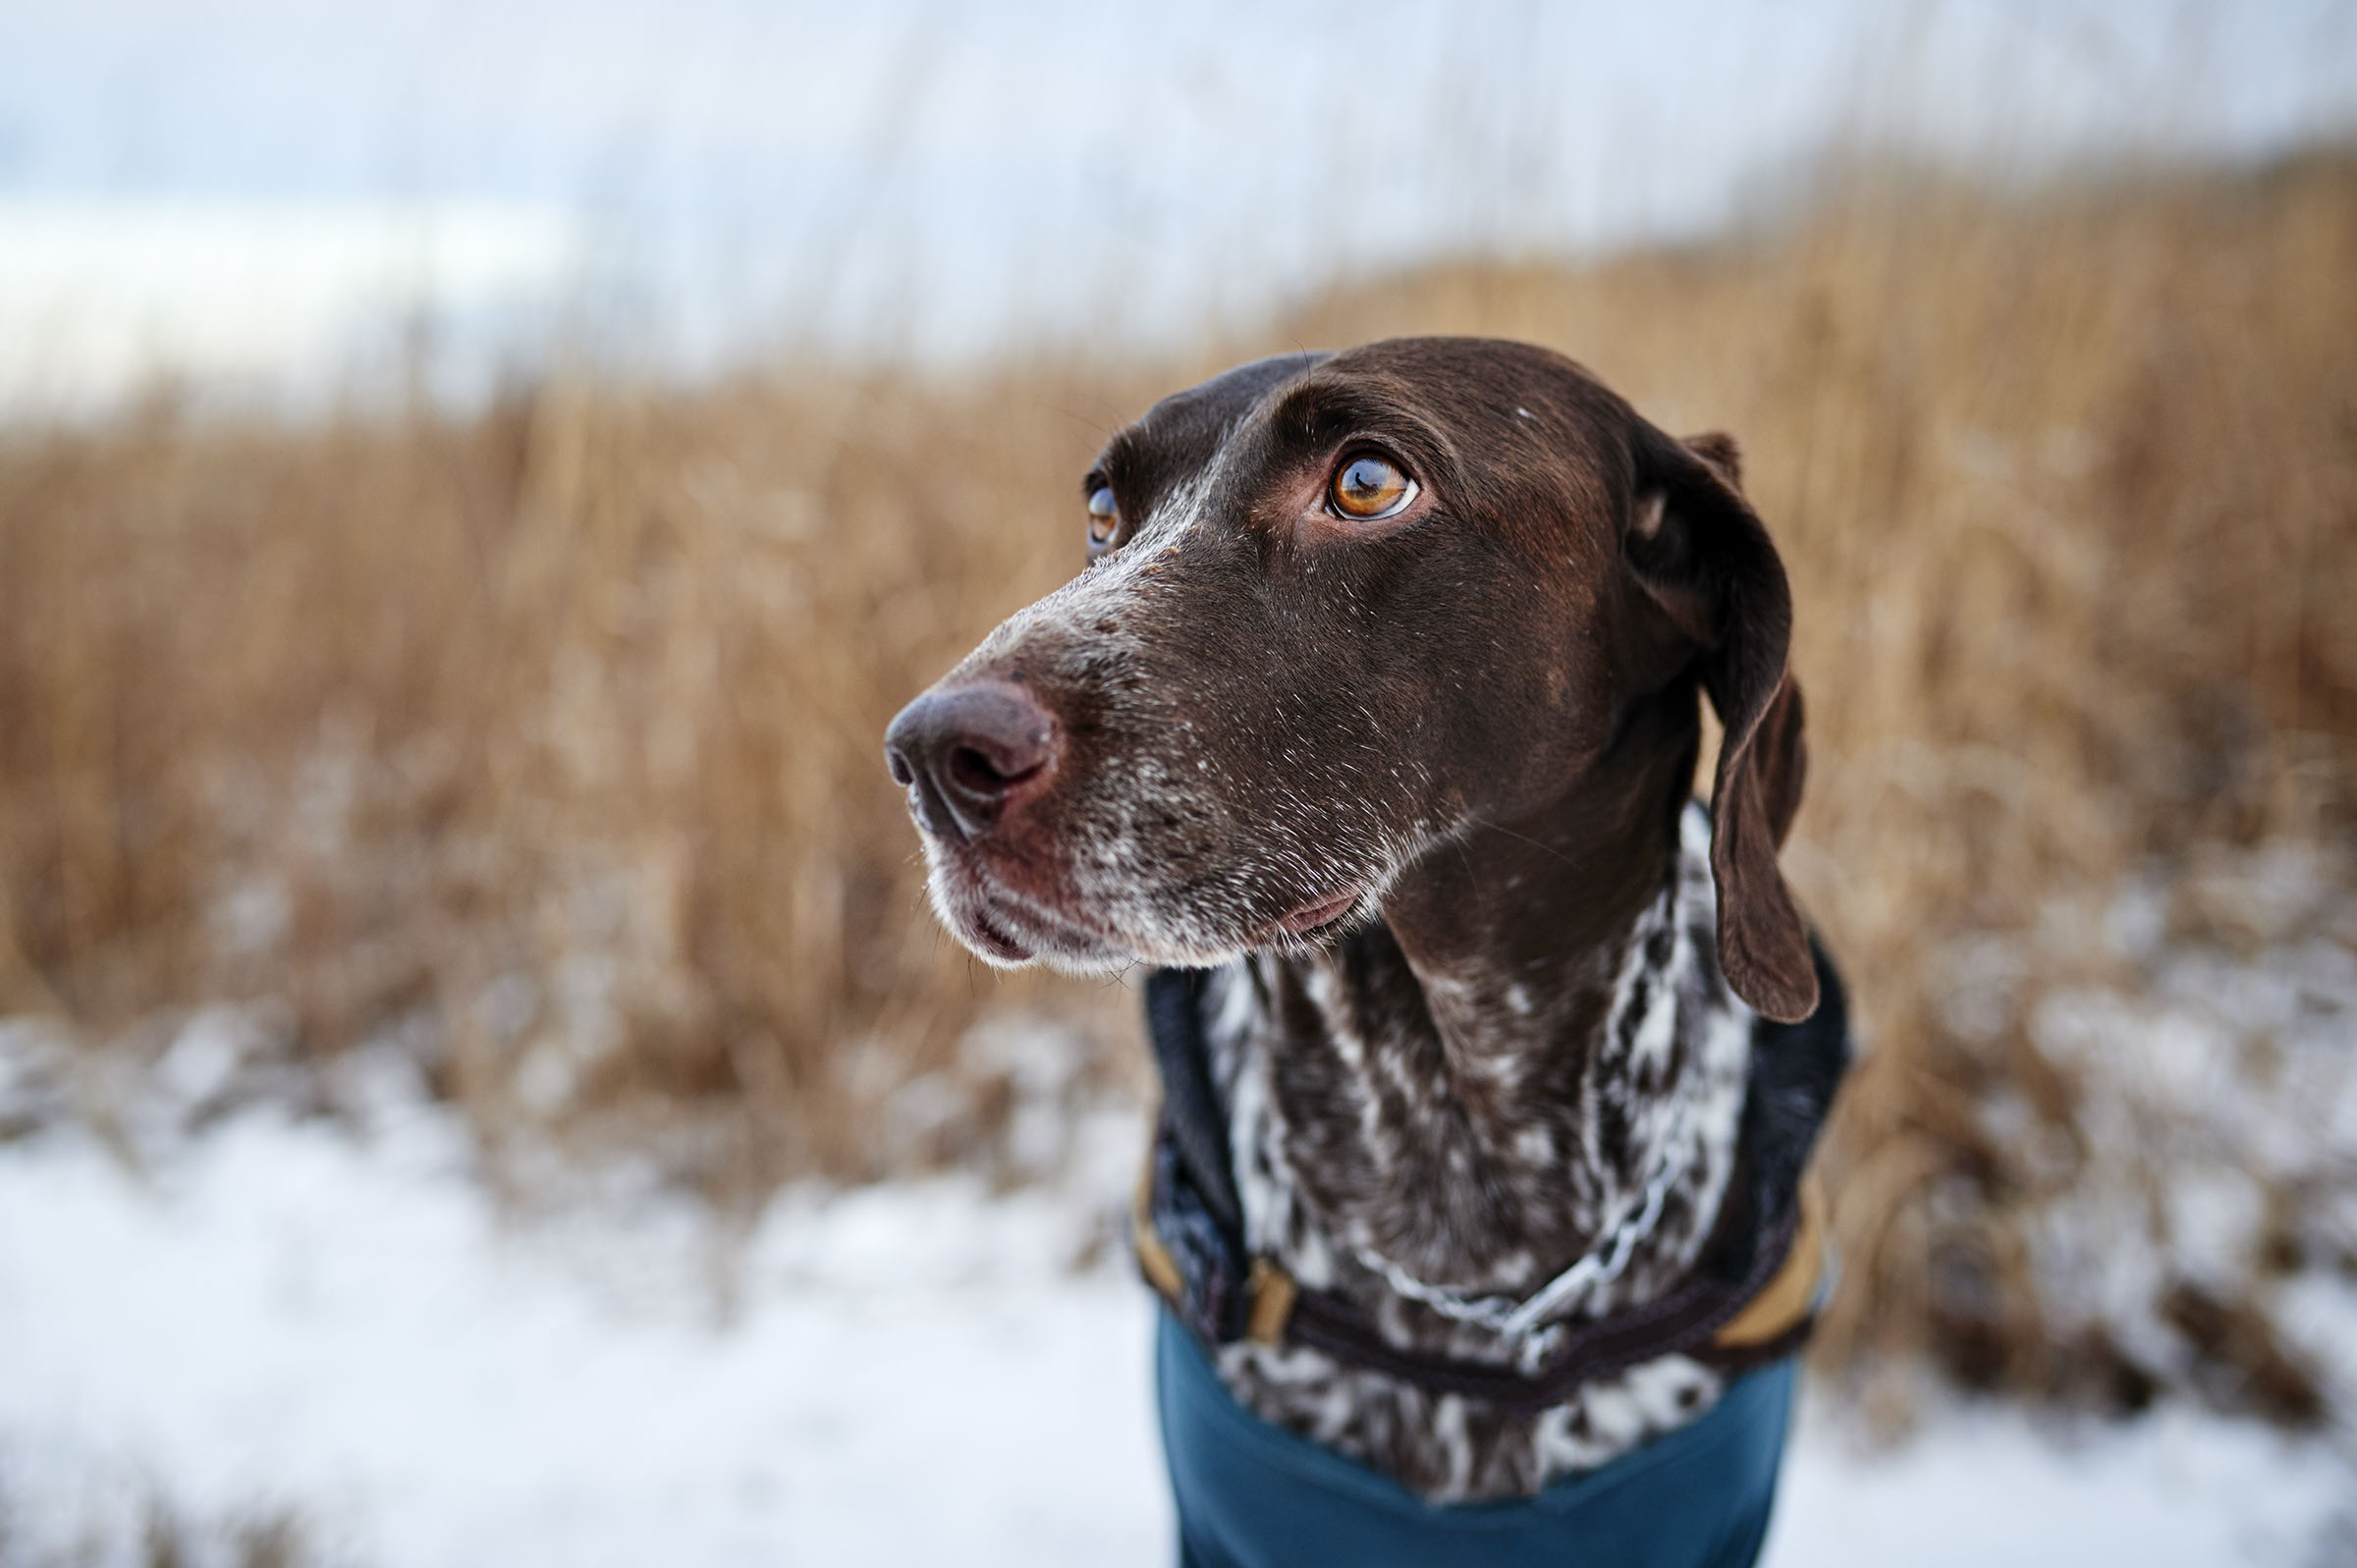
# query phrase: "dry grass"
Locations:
[[558, 728], [550, 737]]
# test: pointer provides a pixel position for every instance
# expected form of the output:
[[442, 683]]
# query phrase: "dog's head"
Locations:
[[1338, 611]]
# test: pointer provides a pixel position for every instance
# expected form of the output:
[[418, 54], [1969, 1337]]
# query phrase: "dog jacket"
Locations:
[[1251, 1495]]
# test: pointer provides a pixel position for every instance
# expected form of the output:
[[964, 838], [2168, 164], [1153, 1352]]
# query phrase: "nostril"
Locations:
[[901, 772], [973, 770]]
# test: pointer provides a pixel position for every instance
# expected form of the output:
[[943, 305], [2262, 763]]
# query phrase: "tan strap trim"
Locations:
[[1273, 1293], [1787, 1299], [1153, 1260]]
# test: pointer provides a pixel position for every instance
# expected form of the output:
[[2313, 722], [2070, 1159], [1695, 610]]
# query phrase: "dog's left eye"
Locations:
[[1368, 488], [1103, 515]]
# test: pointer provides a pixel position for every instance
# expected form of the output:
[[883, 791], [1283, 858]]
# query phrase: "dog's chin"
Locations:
[[1015, 928]]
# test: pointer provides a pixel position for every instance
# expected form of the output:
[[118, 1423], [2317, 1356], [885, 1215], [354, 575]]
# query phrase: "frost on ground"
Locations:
[[272, 1318], [2192, 1222]]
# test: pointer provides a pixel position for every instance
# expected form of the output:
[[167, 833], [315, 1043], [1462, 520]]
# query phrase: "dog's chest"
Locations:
[[1423, 1150]]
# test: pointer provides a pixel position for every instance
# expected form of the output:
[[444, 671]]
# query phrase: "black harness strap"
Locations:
[[1193, 1214], [1192, 1114]]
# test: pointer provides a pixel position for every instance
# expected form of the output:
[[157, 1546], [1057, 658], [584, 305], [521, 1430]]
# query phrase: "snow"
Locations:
[[1992, 1487], [292, 1318], [330, 1317]]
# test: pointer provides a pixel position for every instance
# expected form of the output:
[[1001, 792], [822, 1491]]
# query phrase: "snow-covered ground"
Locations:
[[326, 1318]]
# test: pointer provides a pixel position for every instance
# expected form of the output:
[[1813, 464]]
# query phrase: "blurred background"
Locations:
[[478, 1081]]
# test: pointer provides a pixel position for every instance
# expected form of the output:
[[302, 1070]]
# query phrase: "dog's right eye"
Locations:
[[1103, 515], [1370, 488]]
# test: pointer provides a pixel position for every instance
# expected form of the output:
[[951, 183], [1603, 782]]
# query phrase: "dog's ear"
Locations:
[[1696, 546]]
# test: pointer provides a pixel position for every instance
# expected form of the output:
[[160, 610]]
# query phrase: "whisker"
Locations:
[[1498, 827]]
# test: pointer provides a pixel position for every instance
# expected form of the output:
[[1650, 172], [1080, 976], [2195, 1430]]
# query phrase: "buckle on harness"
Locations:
[[1197, 1268]]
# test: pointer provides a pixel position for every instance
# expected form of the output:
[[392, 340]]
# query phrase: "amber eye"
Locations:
[[1368, 487], [1103, 515]]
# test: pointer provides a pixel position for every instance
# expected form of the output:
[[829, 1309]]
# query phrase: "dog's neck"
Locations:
[[1513, 931], [1535, 1039]]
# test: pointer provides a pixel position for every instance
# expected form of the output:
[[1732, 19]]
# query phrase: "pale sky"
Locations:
[[946, 177]]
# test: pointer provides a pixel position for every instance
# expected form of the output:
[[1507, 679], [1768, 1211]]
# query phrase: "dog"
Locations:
[[1489, 1059]]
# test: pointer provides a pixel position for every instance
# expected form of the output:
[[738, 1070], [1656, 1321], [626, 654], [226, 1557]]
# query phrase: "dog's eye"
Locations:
[[1368, 487], [1103, 515]]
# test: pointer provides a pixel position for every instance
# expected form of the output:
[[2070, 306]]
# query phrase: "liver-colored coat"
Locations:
[[1380, 695]]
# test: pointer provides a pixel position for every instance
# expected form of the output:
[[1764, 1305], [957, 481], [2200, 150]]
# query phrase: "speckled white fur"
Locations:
[[1683, 1132]]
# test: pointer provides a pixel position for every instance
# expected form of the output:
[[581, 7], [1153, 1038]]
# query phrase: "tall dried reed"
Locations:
[[548, 739]]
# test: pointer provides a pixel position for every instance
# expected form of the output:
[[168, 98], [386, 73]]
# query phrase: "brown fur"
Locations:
[[1419, 784]]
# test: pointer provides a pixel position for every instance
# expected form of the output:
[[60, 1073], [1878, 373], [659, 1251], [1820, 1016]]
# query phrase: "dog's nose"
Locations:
[[965, 752]]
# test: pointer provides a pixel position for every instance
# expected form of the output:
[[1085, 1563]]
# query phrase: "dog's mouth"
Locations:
[[1010, 927], [988, 932], [1010, 924]]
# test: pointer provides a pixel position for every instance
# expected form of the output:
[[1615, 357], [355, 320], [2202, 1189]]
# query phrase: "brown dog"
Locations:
[[1379, 697]]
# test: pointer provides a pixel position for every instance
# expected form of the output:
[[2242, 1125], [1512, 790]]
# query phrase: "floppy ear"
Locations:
[[1696, 546]]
